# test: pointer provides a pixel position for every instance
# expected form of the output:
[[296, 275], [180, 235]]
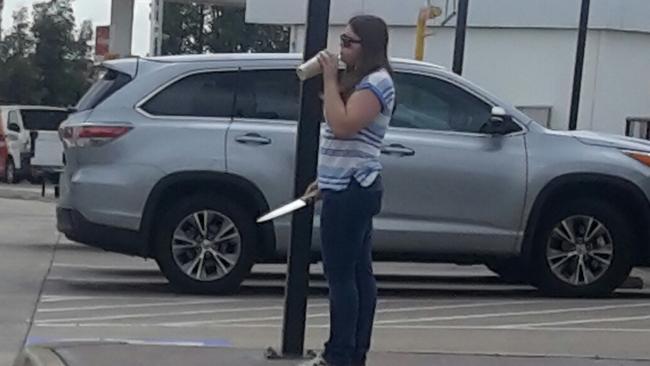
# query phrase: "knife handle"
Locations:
[[311, 197]]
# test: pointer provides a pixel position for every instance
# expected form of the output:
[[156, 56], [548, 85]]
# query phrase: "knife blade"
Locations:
[[288, 208]]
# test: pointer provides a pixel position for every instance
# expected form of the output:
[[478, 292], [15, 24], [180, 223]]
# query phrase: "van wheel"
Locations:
[[206, 244], [10, 172], [583, 249]]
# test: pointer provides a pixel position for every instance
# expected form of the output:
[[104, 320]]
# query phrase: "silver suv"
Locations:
[[173, 158]]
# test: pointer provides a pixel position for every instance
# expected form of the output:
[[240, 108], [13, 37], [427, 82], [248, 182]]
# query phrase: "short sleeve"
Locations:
[[381, 84]]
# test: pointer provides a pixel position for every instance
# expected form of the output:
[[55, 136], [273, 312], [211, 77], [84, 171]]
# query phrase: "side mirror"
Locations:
[[14, 127], [500, 123]]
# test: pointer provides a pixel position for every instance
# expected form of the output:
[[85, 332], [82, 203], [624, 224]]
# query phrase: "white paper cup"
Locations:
[[309, 69]]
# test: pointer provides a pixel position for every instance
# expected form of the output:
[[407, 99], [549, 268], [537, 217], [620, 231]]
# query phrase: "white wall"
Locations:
[[534, 67], [529, 67], [630, 15]]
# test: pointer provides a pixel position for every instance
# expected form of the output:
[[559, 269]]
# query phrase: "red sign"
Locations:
[[103, 36]]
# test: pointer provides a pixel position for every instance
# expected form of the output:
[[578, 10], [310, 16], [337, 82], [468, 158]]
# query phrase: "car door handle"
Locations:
[[253, 139], [397, 149]]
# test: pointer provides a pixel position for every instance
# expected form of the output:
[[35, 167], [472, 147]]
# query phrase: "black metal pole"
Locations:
[[461, 32], [580, 63], [311, 114]]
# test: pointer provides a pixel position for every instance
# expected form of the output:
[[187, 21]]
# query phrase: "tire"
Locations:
[[511, 271], [11, 176], [602, 239], [236, 253]]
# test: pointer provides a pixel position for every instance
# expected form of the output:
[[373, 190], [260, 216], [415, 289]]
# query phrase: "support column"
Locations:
[[121, 27], [2, 4], [311, 113], [461, 33], [157, 13], [580, 64]]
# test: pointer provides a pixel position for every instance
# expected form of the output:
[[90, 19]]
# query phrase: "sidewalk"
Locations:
[[96, 354], [25, 191]]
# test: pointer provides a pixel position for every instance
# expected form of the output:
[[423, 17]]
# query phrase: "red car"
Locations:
[[4, 151]]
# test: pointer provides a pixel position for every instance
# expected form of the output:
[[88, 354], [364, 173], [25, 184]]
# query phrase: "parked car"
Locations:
[[173, 158], [18, 127], [46, 160], [4, 151]]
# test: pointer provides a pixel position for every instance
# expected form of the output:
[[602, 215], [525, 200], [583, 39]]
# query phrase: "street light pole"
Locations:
[[579, 65], [311, 115], [461, 32]]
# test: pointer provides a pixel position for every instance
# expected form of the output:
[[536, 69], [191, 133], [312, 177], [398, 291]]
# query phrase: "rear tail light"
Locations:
[[92, 134]]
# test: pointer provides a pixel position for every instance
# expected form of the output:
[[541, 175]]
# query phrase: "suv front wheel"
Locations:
[[206, 244], [583, 248]]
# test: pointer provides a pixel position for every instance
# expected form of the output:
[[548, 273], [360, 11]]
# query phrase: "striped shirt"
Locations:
[[357, 157]]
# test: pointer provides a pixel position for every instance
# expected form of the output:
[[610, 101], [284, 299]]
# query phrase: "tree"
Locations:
[[53, 31], [229, 32], [182, 28], [81, 69], [19, 81], [47, 60], [192, 28], [64, 60]]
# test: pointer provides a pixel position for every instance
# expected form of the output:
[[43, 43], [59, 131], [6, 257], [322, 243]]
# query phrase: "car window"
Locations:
[[109, 82], [200, 95], [12, 117], [43, 120], [268, 94], [428, 103]]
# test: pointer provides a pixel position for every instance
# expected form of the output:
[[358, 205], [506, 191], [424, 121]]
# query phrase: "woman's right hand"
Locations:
[[313, 191]]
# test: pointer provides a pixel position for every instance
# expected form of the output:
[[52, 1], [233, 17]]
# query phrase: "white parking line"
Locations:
[[581, 321], [582, 329], [153, 342], [130, 306], [509, 314], [60, 298], [378, 327], [57, 298], [87, 266], [155, 315], [379, 311], [112, 280]]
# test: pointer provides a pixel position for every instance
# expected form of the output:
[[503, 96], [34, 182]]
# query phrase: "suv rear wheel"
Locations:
[[583, 248], [206, 244]]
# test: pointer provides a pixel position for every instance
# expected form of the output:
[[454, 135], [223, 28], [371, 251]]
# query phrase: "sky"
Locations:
[[99, 12]]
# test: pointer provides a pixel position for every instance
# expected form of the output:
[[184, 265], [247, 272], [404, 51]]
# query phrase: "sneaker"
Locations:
[[317, 361]]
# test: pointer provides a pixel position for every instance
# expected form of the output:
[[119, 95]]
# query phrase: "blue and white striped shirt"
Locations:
[[357, 157]]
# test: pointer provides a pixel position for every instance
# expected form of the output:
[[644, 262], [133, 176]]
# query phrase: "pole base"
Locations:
[[272, 354]]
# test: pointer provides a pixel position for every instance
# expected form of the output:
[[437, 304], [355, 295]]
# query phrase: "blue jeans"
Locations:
[[346, 232]]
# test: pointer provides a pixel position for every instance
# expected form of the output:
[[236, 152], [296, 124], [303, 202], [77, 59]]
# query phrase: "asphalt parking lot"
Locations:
[[90, 295]]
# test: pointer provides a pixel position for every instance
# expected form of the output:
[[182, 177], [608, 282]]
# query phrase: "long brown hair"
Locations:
[[373, 33]]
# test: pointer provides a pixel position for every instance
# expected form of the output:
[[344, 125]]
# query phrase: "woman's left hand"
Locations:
[[330, 64]]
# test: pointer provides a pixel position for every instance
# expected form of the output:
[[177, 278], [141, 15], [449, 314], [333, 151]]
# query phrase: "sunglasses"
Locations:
[[347, 41]]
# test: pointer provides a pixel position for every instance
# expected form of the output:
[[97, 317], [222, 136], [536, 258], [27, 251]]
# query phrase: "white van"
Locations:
[[31, 136]]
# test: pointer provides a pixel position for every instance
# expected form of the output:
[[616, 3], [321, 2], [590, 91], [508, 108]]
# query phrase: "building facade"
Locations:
[[523, 50]]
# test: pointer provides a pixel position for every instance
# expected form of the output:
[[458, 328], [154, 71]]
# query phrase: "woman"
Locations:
[[358, 106]]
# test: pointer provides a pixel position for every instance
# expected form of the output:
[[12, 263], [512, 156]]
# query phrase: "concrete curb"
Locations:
[[27, 195], [38, 356]]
